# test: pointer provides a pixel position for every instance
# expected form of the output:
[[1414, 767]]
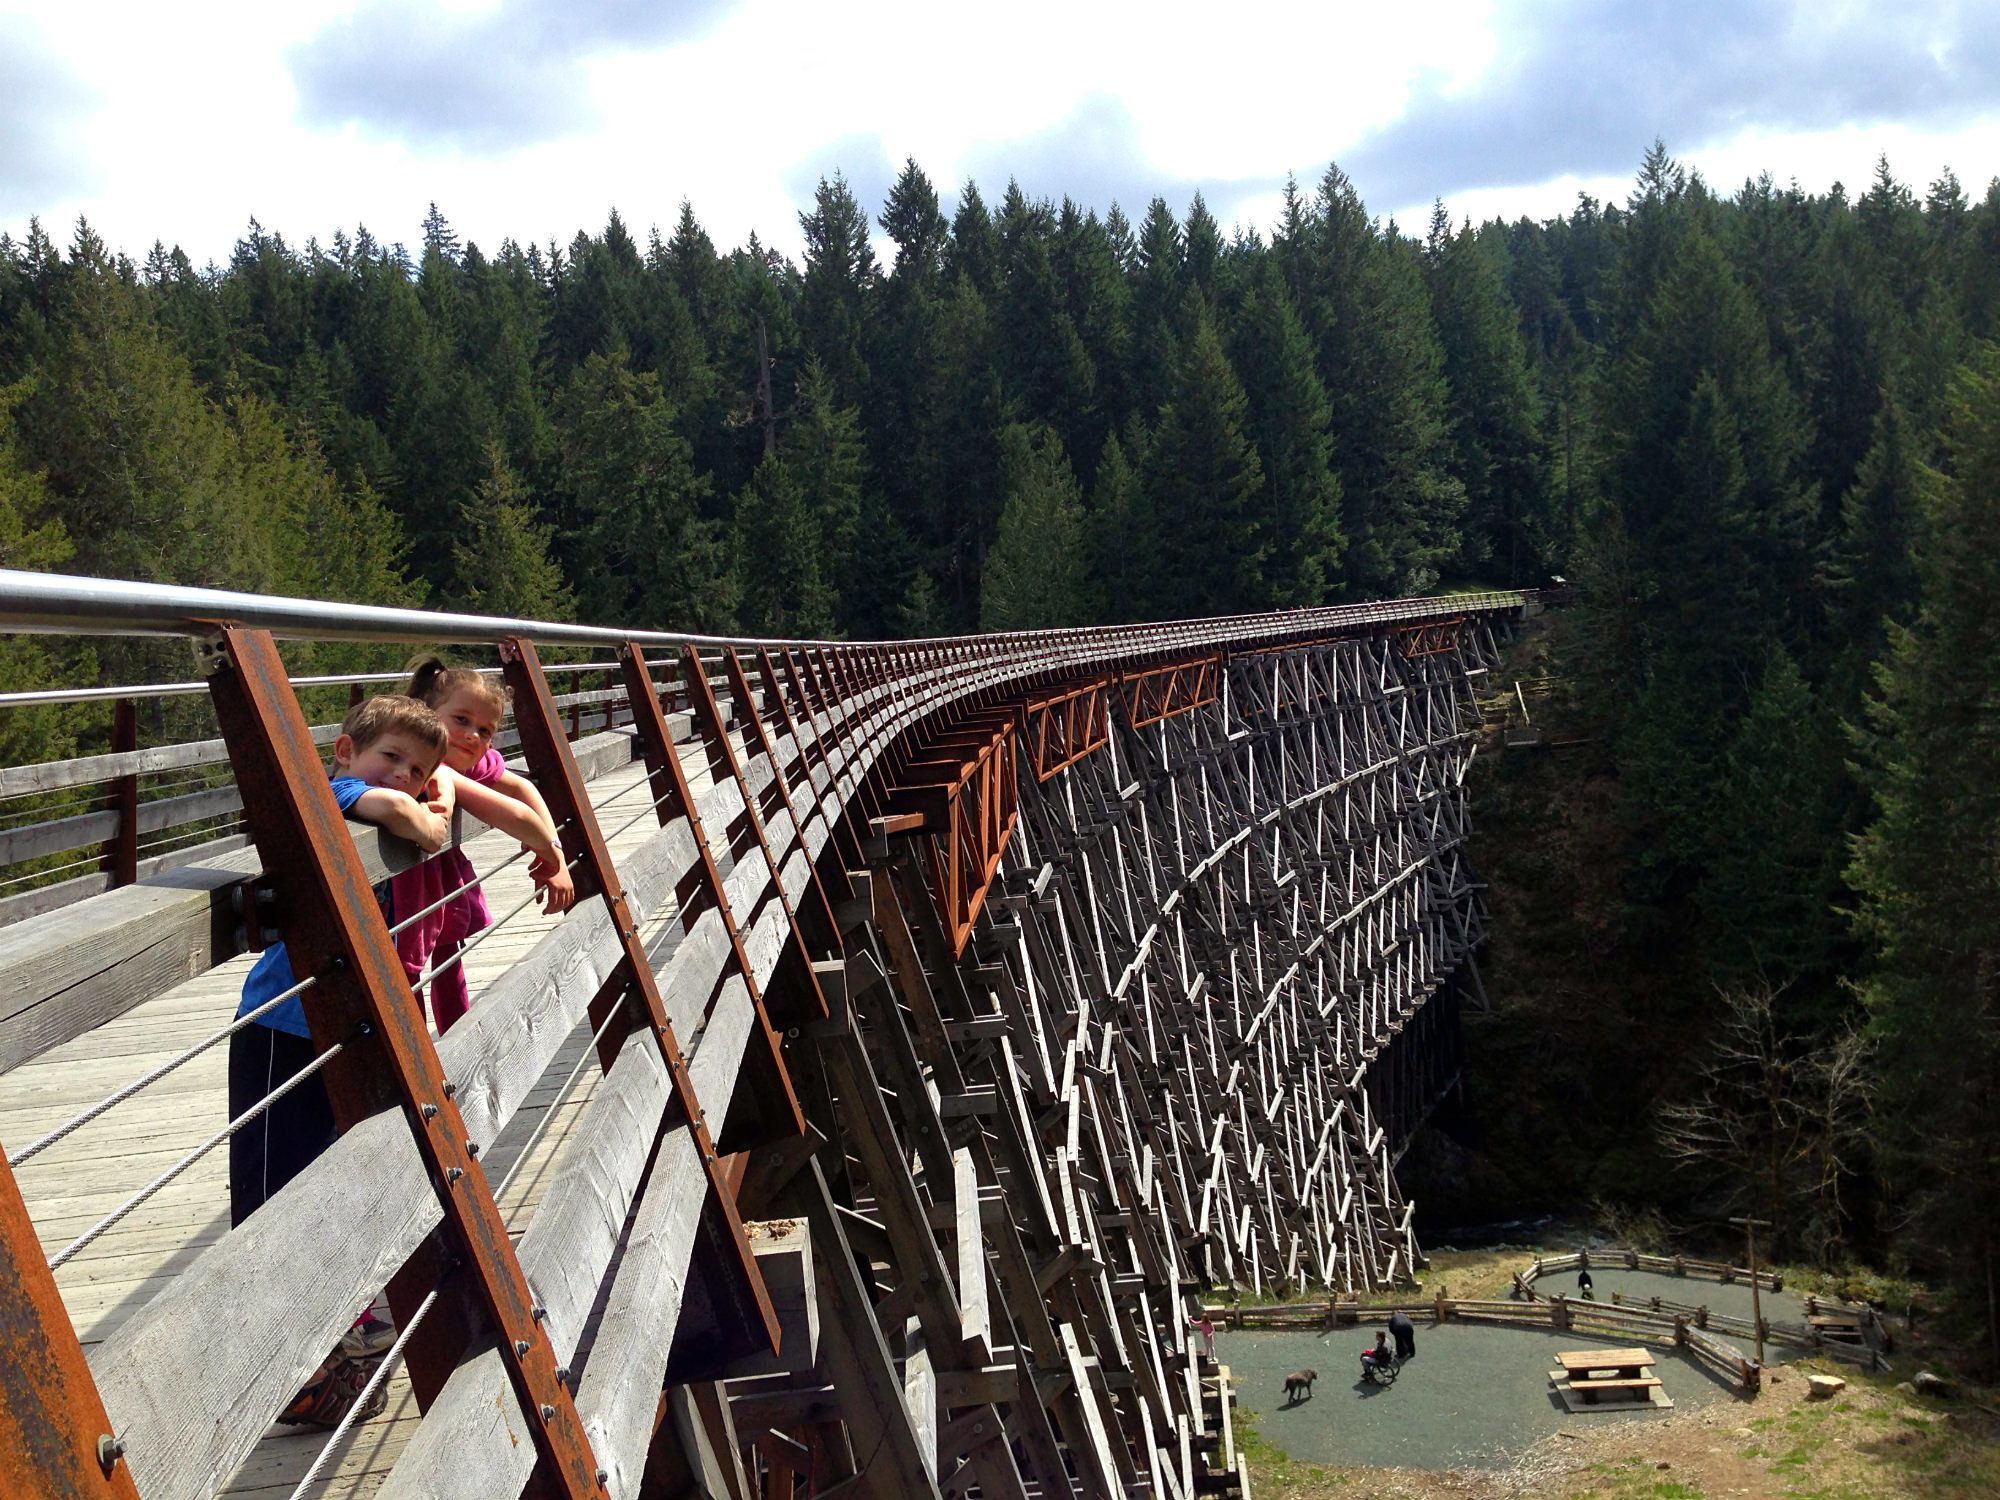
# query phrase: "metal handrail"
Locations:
[[60, 603], [45, 697]]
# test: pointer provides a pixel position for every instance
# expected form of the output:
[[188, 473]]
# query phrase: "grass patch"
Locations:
[[1276, 1474], [1633, 1479]]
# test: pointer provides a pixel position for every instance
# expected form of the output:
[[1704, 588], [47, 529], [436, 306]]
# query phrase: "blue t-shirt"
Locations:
[[272, 974]]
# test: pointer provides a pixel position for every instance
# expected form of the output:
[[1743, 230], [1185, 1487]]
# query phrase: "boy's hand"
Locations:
[[441, 793], [433, 831], [553, 883]]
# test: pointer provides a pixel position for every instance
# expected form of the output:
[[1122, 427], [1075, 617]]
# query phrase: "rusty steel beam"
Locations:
[[361, 1001], [56, 1442], [1060, 728], [1163, 692]]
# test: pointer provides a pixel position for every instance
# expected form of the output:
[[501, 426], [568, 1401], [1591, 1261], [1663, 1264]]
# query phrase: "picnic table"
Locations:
[[1624, 1374]]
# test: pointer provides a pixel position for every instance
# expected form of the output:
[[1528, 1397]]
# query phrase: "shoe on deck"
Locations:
[[332, 1393], [370, 1335]]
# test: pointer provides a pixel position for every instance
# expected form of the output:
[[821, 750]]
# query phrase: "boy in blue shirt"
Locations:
[[388, 750]]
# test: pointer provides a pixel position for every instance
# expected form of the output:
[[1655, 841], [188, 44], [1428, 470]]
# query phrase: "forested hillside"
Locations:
[[1760, 429]]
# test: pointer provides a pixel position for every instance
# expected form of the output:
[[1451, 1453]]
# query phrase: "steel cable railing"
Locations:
[[111, 1219], [118, 1096], [375, 1382]]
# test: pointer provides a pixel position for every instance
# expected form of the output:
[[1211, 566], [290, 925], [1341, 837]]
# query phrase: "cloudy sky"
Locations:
[[532, 118]]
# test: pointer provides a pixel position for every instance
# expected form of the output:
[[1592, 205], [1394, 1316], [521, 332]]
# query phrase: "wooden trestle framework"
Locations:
[[976, 1004]]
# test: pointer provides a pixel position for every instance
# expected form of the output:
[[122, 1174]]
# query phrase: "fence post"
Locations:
[[55, 1438], [121, 850], [362, 1001]]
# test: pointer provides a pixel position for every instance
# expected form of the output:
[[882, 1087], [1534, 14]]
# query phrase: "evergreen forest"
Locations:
[[1760, 429]]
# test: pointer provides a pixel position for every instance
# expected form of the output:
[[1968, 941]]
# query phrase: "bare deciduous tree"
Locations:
[[1776, 1117]]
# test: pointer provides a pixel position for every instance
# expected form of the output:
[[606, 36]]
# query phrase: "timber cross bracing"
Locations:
[[946, 1013]]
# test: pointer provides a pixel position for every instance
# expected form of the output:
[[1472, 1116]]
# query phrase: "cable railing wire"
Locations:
[[549, 1114], [375, 1382], [116, 1215], [118, 1096]]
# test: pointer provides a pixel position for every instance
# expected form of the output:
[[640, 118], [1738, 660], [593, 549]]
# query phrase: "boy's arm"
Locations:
[[401, 814]]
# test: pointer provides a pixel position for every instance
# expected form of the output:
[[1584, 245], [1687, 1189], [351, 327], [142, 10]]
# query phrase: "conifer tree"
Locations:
[[501, 562], [1121, 537], [640, 549], [1496, 442], [1290, 418], [838, 287], [1205, 487], [783, 593], [1036, 576], [1925, 871]]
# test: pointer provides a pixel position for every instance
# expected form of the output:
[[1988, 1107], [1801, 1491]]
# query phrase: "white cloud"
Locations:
[[196, 123]]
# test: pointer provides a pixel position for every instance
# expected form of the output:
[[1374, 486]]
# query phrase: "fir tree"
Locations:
[[1926, 871], [1036, 575], [782, 591], [501, 562], [1205, 486]]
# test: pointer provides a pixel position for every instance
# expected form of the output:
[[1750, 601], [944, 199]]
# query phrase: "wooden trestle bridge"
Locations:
[[935, 1020]]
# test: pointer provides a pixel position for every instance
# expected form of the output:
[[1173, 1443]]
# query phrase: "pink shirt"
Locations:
[[436, 878]]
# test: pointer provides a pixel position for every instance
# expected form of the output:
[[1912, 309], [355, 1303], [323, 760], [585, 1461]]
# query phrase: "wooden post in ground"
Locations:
[[1750, 1228]]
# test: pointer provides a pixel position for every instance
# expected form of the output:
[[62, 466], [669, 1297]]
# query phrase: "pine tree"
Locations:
[[783, 593], [501, 562], [1290, 418], [1121, 538], [638, 546], [1769, 886], [1205, 486], [838, 287], [1496, 441], [1926, 873], [1036, 576], [1381, 365]]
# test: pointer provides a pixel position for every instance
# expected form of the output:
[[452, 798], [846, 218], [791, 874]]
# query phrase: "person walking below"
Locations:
[[1405, 1332]]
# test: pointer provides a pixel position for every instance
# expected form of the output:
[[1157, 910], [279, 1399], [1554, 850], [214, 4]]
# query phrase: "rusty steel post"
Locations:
[[361, 999], [561, 784], [56, 1441], [777, 1102]]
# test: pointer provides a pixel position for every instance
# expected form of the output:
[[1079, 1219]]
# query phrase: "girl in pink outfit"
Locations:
[[471, 706]]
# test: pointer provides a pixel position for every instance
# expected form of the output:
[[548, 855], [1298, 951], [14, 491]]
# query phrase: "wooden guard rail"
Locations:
[[898, 1148]]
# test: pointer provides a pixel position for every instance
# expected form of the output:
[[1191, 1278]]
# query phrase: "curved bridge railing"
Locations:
[[934, 1018]]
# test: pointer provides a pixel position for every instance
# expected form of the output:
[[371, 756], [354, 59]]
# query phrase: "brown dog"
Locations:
[[1299, 1380]]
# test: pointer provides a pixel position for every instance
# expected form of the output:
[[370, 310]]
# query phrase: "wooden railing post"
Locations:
[[121, 850], [361, 1001], [55, 1438]]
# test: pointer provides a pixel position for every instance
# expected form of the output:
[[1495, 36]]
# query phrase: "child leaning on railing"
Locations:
[[384, 759], [471, 706]]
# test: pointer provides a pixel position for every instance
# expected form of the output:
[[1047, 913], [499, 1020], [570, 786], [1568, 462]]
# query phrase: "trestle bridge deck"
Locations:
[[934, 1022]]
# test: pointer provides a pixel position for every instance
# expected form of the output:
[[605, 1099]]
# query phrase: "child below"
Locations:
[[387, 751]]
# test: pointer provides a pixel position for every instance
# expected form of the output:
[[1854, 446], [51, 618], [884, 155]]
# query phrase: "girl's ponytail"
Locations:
[[434, 682]]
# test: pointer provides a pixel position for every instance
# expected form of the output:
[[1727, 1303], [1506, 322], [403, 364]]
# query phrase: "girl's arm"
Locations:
[[551, 872], [520, 821]]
